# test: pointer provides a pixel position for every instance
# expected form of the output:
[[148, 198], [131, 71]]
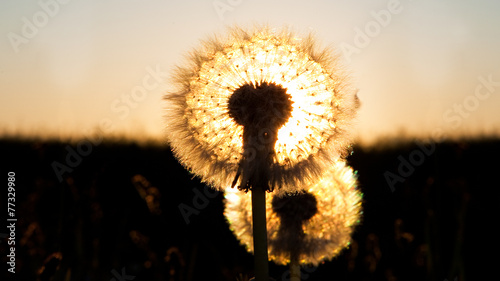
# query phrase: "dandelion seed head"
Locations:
[[326, 214], [299, 206], [262, 106], [307, 113]]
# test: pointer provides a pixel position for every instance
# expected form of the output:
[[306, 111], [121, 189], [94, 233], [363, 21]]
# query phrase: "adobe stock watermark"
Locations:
[[363, 37], [223, 6], [407, 167], [150, 82], [453, 116], [200, 201], [461, 111], [31, 26], [121, 107]]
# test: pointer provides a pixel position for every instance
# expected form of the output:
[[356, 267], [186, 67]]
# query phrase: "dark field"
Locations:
[[114, 215]]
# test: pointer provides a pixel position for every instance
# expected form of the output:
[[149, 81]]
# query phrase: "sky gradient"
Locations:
[[69, 68]]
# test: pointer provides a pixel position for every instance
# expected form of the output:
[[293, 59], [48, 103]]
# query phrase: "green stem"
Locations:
[[260, 234]]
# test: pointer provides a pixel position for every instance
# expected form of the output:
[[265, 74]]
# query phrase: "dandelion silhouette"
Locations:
[[260, 110], [315, 224], [253, 107], [296, 96]]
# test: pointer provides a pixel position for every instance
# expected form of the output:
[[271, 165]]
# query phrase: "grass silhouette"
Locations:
[[438, 223]]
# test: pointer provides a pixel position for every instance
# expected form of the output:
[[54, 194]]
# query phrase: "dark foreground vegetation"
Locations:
[[115, 210]]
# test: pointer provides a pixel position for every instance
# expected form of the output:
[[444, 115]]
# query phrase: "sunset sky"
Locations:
[[69, 68]]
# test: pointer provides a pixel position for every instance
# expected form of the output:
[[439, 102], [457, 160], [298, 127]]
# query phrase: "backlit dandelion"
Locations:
[[301, 119], [316, 223], [260, 110]]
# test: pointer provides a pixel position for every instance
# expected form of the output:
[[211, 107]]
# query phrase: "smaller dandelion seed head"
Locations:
[[299, 206], [316, 223]]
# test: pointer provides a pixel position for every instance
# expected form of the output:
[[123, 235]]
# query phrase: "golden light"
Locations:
[[209, 142], [325, 233]]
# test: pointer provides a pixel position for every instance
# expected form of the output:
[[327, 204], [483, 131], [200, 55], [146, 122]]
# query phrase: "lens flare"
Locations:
[[326, 222], [208, 141]]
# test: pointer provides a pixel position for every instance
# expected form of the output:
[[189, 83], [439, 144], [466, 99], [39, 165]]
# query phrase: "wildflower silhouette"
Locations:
[[314, 224], [260, 110], [302, 114]]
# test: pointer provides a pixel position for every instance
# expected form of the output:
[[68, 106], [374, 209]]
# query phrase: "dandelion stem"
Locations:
[[294, 266], [261, 109], [260, 234]]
